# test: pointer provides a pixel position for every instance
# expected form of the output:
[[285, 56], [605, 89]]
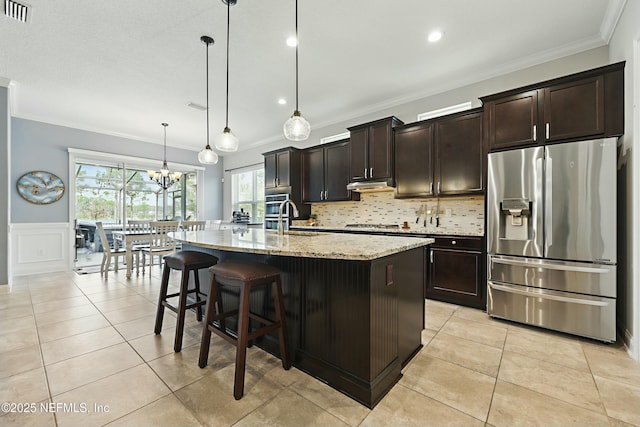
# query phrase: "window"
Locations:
[[247, 193], [99, 194]]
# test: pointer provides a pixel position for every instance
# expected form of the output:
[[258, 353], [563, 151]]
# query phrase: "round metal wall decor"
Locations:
[[40, 187]]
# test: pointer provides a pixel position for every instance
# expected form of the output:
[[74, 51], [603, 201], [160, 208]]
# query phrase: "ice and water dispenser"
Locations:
[[515, 219]]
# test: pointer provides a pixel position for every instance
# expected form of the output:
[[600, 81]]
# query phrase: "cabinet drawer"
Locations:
[[454, 242]]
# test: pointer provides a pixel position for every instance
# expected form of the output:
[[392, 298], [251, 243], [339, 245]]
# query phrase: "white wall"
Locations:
[[625, 45]]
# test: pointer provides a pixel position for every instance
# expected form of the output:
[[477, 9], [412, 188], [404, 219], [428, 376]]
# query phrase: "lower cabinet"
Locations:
[[456, 271]]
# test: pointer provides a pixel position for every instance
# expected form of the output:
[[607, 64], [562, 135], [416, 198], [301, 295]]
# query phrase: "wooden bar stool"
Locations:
[[245, 277], [186, 261]]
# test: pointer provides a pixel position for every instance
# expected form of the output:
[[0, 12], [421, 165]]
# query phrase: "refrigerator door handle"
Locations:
[[547, 295], [548, 205], [549, 266]]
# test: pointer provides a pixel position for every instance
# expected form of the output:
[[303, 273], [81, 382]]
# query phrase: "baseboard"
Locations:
[[628, 344]]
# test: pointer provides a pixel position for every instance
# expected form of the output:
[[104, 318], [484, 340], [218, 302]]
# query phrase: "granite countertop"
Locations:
[[432, 231], [302, 243]]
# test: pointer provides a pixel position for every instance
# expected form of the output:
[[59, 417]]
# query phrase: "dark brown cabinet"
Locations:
[[325, 173], [459, 154], [440, 157], [277, 168], [414, 160], [456, 271], [371, 150], [588, 104]]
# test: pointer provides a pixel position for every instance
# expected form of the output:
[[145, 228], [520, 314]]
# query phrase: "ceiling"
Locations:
[[123, 67]]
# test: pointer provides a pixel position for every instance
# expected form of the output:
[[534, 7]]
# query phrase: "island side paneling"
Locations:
[[353, 324]]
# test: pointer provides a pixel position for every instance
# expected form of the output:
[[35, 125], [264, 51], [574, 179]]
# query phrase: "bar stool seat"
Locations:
[[243, 276], [185, 261]]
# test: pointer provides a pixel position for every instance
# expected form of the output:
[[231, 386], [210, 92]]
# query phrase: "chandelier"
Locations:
[[164, 178]]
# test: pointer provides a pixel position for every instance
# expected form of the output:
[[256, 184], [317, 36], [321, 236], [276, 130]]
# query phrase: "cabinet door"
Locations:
[[381, 151], [358, 153], [283, 168], [270, 171], [574, 109], [336, 172], [458, 155], [513, 121], [455, 276], [313, 175], [414, 173]]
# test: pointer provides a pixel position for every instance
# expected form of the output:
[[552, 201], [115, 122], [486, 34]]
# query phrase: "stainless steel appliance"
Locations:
[[271, 211], [551, 237]]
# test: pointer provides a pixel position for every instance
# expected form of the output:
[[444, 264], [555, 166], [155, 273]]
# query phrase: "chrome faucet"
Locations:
[[295, 214]]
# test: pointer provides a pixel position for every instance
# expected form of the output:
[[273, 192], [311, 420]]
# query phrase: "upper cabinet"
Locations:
[[372, 150], [277, 168], [587, 104], [325, 173], [440, 157], [283, 172]]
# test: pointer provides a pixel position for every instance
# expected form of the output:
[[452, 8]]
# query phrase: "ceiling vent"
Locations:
[[196, 106], [18, 11]]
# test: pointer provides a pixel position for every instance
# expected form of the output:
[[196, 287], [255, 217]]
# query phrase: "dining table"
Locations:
[[127, 238]]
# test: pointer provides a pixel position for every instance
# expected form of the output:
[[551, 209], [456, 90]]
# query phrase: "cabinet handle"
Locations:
[[431, 188], [370, 172], [326, 194], [431, 256], [547, 130], [453, 242], [321, 195], [365, 173], [535, 132], [439, 187]]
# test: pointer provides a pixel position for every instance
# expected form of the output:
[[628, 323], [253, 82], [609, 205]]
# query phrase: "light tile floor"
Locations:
[[80, 350]]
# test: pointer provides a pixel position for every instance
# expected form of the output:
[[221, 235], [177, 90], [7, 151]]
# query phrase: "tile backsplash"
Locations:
[[457, 216]]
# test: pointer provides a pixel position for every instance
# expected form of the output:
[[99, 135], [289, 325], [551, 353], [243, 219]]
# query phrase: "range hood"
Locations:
[[369, 186]]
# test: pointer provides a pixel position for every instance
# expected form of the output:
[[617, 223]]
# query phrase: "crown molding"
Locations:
[[611, 18]]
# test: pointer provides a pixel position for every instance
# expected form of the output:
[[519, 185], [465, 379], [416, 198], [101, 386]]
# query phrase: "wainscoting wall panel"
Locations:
[[39, 248]]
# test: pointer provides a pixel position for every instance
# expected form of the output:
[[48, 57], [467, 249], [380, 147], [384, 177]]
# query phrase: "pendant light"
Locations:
[[227, 141], [164, 178], [297, 128], [207, 156]]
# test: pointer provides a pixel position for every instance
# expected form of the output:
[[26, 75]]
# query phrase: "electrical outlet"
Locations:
[[447, 213]]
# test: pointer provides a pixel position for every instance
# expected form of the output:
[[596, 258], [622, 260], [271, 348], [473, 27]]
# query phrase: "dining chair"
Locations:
[[213, 224], [108, 252], [160, 244], [193, 225], [140, 225]]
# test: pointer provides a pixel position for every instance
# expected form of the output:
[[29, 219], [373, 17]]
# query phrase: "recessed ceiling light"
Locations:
[[434, 36], [282, 101], [292, 41]]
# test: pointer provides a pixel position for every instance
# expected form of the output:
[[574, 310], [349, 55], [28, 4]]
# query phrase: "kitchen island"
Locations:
[[354, 303]]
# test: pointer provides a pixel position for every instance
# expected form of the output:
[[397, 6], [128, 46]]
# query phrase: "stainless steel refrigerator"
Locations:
[[551, 237]]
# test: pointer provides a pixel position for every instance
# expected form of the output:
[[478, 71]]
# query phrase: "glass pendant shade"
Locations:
[[297, 128], [226, 141], [207, 156]]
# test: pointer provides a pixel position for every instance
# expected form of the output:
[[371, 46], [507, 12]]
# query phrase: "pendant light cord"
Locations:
[[226, 124], [297, 42], [207, 78], [165, 142]]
